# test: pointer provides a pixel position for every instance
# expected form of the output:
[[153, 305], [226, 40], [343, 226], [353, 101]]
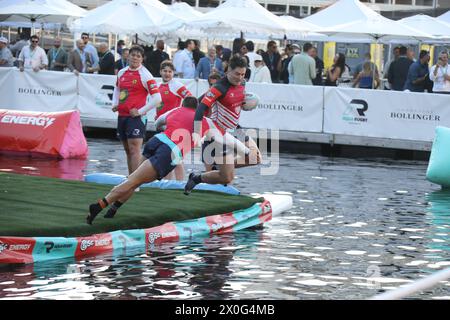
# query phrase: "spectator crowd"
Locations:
[[293, 65]]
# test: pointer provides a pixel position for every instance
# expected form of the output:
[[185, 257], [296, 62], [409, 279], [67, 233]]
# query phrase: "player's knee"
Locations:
[[135, 150], [227, 178]]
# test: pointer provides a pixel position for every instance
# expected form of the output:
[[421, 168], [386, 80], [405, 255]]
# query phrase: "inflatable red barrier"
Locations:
[[54, 134]]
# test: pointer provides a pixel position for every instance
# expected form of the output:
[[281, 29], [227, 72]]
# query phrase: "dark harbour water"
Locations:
[[357, 228]]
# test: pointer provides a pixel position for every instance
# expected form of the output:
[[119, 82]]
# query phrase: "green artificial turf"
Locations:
[[32, 206]]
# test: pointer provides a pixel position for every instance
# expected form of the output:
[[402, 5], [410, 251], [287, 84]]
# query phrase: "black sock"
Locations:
[[95, 208], [113, 209], [197, 178]]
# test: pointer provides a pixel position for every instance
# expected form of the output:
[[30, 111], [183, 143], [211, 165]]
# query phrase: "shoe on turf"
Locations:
[[190, 184]]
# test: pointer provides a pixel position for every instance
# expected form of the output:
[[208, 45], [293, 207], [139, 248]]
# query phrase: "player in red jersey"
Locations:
[[172, 93], [225, 100], [163, 152], [134, 84]]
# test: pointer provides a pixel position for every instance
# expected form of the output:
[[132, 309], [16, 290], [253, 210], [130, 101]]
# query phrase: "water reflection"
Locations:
[[71, 169], [439, 207]]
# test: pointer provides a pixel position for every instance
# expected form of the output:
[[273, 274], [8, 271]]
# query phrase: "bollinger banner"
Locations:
[[285, 107], [37, 91], [381, 114]]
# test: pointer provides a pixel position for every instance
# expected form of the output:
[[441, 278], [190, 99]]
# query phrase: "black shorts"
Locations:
[[160, 156], [131, 128]]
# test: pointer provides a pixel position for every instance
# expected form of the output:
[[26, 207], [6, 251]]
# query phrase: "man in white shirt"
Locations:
[[32, 56], [90, 50], [184, 64], [440, 74], [261, 73], [251, 55], [6, 57]]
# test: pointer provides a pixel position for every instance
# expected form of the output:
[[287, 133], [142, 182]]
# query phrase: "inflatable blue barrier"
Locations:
[[115, 179], [439, 165]]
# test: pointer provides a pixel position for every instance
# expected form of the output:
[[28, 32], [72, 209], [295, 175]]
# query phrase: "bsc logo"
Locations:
[[85, 244], [152, 236]]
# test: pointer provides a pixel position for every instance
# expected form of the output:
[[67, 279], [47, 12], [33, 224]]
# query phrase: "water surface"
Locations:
[[357, 228]]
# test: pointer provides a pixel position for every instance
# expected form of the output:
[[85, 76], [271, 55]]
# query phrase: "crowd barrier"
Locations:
[[331, 110]]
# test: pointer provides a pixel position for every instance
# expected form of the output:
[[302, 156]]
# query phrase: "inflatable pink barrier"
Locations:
[[53, 134]]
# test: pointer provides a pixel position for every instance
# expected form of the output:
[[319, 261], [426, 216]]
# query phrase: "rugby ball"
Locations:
[[250, 102]]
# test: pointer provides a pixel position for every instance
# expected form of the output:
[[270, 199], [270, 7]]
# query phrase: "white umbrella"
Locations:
[[40, 12], [380, 29], [298, 29], [351, 20], [128, 17], [184, 11], [445, 17], [341, 12], [435, 27], [235, 16]]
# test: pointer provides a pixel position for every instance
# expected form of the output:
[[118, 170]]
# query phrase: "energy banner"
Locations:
[[385, 114]]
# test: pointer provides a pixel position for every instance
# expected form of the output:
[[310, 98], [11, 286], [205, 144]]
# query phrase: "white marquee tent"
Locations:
[[235, 16], [149, 17], [445, 17], [432, 26], [351, 20], [298, 29]]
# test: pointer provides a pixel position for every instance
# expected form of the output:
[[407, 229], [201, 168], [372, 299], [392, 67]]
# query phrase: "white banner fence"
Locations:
[[330, 110]]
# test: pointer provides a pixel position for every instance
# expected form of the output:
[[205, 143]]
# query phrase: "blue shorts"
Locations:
[[160, 156], [131, 128]]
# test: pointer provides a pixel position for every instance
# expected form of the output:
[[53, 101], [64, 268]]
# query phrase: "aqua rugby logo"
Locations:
[[28, 120], [105, 96], [355, 112]]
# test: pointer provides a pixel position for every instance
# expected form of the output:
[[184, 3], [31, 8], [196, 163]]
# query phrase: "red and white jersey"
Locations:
[[225, 101], [172, 93], [179, 127], [134, 87]]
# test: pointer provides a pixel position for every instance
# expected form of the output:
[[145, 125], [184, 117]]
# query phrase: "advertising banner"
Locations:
[[96, 94], [45, 91], [55, 134], [385, 114], [282, 107]]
